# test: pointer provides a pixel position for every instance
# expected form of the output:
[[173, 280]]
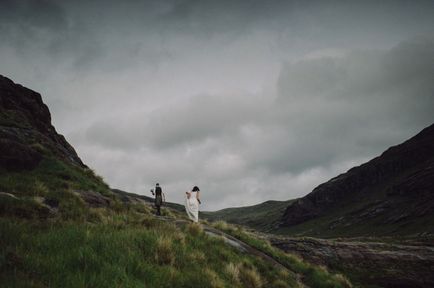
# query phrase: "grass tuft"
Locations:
[[164, 254], [250, 277], [280, 284], [213, 279], [194, 229], [233, 271]]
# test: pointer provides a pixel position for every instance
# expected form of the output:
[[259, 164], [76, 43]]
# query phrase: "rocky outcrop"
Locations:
[[94, 199], [367, 263], [131, 198], [26, 132], [396, 186]]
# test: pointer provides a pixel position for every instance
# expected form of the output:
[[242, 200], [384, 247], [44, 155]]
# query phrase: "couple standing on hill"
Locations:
[[192, 201]]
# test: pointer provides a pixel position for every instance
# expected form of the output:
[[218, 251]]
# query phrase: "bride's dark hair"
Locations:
[[195, 188]]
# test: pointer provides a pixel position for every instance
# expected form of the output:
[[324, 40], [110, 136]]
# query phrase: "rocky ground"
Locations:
[[409, 264]]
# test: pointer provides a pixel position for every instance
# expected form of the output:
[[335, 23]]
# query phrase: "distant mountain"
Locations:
[[393, 194], [262, 217]]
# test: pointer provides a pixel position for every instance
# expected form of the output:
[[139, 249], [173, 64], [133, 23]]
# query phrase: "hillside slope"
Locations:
[[262, 217], [393, 194]]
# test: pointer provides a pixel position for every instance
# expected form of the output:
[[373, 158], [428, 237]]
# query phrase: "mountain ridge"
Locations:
[[394, 190], [386, 165]]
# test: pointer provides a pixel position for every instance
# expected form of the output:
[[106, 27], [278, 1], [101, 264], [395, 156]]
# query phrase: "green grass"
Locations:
[[51, 175], [128, 249], [124, 245], [52, 180]]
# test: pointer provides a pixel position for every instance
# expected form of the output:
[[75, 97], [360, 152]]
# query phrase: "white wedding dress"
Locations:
[[192, 207]]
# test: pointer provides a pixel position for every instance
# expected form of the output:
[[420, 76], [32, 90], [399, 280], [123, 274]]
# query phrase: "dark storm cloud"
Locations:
[[250, 100], [113, 36], [31, 15], [354, 105], [43, 31]]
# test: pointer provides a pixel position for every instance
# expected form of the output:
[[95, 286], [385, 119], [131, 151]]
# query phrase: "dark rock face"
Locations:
[[26, 132], [132, 198], [94, 199], [395, 186], [370, 263], [15, 156]]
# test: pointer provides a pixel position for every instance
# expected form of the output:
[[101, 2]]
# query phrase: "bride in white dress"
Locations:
[[192, 204]]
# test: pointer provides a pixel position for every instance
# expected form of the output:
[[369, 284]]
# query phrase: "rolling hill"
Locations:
[[262, 217]]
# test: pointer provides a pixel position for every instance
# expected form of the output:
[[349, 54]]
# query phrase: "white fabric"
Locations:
[[192, 207]]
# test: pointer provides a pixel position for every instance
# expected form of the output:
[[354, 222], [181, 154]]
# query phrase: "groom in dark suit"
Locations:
[[159, 198]]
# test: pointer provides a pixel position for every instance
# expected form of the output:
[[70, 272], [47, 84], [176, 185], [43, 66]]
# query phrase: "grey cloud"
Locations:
[[180, 123], [91, 36], [202, 117], [32, 15], [42, 32], [355, 105], [327, 110]]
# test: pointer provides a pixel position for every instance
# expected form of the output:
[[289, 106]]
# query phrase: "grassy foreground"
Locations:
[[124, 249], [50, 237], [131, 248]]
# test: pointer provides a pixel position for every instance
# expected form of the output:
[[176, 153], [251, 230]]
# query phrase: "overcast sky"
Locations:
[[249, 100]]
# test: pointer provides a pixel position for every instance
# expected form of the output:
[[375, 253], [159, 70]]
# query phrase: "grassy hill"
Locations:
[[128, 246], [262, 217]]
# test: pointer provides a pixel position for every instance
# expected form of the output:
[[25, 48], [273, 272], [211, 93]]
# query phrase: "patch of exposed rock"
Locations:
[[26, 132], [93, 199], [369, 263]]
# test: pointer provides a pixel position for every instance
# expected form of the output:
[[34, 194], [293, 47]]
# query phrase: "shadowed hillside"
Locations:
[[392, 194]]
